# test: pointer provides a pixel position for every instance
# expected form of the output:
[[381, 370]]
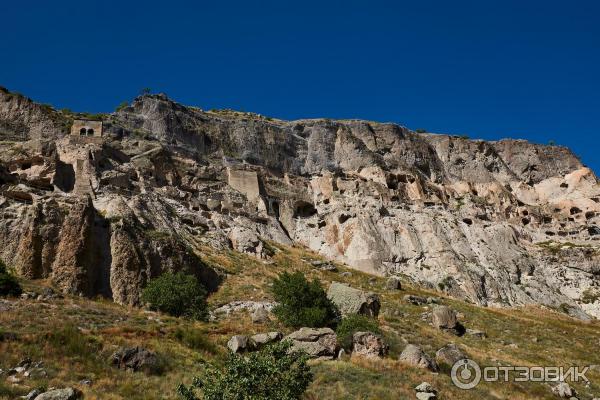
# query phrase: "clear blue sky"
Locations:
[[488, 69]]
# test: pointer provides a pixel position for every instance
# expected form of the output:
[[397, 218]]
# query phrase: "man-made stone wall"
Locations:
[[245, 182]]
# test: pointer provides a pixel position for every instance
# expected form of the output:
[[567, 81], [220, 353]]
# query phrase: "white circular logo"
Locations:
[[466, 374]]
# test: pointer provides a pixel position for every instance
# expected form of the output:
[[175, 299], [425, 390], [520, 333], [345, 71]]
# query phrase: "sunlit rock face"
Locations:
[[499, 223]]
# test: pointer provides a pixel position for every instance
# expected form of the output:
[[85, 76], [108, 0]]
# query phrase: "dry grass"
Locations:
[[75, 337]]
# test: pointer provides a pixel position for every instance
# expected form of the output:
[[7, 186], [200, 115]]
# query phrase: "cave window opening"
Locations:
[[82, 132], [90, 132]]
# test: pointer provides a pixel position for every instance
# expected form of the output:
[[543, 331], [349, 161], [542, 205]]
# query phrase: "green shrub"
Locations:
[[177, 295], [352, 324], [274, 372], [421, 130], [9, 286], [302, 303]]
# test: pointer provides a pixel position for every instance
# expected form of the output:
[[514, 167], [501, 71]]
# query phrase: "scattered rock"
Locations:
[[246, 241], [260, 315], [368, 344], [425, 391], [415, 300], [324, 265], [415, 356], [346, 274], [262, 339], [449, 355], [239, 305], [238, 343], [564, 390], [136, 359], [476, 333], [31, 395], [317, 343], [60, 394], [444, 318], [425, 387], [393, 283], [354, 301]]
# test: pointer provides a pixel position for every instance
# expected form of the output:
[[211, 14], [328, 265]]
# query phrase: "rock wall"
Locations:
[[499, 223]]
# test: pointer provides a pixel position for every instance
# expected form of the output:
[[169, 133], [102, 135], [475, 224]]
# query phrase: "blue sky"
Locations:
[[487, 69]]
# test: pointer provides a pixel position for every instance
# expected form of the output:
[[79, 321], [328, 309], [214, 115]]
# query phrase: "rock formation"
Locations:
[[498, 223]]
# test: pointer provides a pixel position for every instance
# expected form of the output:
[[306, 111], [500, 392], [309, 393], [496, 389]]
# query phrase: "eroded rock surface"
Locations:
[[497, 223]]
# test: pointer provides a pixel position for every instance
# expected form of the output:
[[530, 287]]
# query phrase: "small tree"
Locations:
[[355, 323], [302, 303], [275, 372], [145, 91], [9, 286], [177, 295]]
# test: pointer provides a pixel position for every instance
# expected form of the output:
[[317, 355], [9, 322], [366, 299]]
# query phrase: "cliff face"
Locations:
[[499, 223]]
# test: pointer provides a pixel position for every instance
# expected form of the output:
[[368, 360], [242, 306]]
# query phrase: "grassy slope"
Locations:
[[75, 337]]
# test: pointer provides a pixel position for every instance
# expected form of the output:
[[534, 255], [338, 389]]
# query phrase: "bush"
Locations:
[[274, 372], [302, 303], [177, 295], [352, 324], [9, 286]]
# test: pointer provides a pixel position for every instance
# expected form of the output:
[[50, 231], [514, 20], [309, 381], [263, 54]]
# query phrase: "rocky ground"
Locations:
[[101, 350]]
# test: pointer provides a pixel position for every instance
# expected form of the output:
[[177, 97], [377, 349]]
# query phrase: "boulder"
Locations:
[[317, 343], [31, 395], [260, 315], [476, 333], [368, 344], [393, 283], [415, 356], [238, 343], [444, 318], [415, 300], [449, 355], [564, 390], [262, 339], [425, 387], [137, 359], [60, 394], [425, 396], [354, 301], [247, 241]]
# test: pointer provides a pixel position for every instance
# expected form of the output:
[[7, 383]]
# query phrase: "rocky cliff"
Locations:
[[498, 223]]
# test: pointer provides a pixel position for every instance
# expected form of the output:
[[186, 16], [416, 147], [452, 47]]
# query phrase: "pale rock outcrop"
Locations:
[[496, 223], [369, 345], [316, 342], [353, 301], [415, 356]]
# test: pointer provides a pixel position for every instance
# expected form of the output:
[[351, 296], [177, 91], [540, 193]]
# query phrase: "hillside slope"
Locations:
[[75, 337]]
